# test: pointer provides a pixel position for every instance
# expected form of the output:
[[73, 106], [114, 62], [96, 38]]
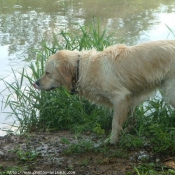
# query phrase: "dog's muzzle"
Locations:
[[36, 86]]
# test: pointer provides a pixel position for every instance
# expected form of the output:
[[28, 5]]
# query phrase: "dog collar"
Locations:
[[75, 79]]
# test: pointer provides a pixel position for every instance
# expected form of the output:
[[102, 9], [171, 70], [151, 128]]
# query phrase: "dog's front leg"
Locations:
[[121, 108]]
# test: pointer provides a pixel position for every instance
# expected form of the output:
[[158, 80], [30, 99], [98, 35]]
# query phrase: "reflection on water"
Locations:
[[23, 24]]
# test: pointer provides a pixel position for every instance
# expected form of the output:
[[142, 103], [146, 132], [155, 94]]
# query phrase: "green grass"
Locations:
[[171, 31], [156, 126], [58, 110]]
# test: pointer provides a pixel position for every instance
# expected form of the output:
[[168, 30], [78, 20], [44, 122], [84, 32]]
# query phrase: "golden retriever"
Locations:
[[120, 76]]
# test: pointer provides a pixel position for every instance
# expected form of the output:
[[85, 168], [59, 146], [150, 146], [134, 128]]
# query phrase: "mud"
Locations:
[[51, 153]]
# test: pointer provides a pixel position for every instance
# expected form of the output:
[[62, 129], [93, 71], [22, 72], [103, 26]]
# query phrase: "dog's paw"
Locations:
[[107, 141], [110, 141]]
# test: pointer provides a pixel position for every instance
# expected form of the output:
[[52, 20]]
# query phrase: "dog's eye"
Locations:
[[47, 73]]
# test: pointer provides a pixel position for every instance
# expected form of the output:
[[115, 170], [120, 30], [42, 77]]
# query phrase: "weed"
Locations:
[[131, 141], [85, 162], [171, 31], [119, 153], [65, 141], [171, 171], [98, 130], [81, 146], [150, 169], [26, 156]]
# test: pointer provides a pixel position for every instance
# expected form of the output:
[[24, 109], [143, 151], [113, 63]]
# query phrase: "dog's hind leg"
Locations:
[[121, 108], [170, 98], [169, 92]]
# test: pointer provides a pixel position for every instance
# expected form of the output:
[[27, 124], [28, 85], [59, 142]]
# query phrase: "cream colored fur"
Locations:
[[120, 76]]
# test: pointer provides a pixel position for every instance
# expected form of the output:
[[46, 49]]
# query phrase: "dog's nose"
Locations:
[[37, 84]]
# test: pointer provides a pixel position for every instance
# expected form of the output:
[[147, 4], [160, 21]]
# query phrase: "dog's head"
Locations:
[[59, 70]]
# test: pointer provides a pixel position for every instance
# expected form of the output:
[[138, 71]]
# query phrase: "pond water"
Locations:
[[23, 25]]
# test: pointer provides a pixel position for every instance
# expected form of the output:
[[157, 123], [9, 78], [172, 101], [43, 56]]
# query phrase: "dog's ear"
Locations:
[[66, 71], [66, 66]]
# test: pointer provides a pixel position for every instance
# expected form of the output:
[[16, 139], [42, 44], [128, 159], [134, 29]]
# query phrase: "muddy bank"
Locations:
[[66, 153]]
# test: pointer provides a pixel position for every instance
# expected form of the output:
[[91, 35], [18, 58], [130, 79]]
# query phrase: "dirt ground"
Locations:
[[50, 153]]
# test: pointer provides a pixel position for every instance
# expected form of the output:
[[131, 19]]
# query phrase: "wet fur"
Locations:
[[120, 76]]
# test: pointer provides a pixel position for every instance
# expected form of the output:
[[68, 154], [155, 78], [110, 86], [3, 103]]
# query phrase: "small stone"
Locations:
[[39, 148], [143, 156], [23, 146], [157, 160], [1, 153]]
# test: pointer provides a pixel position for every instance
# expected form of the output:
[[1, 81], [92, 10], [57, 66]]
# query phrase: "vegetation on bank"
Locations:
[[57, 110]]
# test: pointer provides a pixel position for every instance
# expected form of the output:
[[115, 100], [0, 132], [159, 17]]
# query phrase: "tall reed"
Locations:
[[56, 110]]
